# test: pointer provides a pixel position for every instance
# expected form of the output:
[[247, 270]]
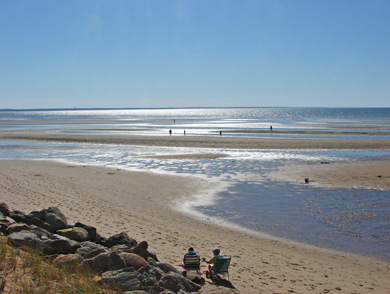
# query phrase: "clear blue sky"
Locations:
[[188, 53]]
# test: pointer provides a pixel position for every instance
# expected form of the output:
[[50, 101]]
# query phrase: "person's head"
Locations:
[[190, 249], [216, 251]]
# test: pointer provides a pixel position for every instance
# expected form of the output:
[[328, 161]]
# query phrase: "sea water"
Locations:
[[354, 220]]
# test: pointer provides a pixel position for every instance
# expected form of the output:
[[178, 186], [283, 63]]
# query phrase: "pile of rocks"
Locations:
[[117, 261]]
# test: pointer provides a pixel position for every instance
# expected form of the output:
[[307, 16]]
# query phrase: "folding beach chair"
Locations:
[[222, 266], [192, 262]]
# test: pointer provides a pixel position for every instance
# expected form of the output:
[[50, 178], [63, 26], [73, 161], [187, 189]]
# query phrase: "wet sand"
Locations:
[[141, 204], [176, 140], [372, 174]]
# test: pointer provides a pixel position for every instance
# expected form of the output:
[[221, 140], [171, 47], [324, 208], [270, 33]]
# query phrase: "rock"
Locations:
[[150, 276], [75, 233], [214, 289], [59, 245], [126, 279], [69, 261], [56, 211], [17, 227], [89, 249], [122, 248], [136, 292], [104, 262], [42, 214], [4, 209], [5, 222], [56, 222], [166, 268], [121, 238], [176, 282], [133, 260], [195, 277], [32, 220], [25, 239], [18, 217], [92, 232]]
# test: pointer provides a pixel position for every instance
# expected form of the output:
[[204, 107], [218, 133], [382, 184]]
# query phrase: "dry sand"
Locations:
[[141, 204]]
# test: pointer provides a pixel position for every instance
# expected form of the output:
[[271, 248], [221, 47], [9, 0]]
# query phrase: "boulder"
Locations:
[[121, 238], [56, 211], [149, 275], [214, 289], [42, 214], [17, 227], [92, 232], [89, 249], [59, 245], [76, 233], [56, 222], [104, 262], [126, 279], [166, 268], [176, 282], [5, 222], [4, 209], [69, 261], [195, 277], [32, 220], [25, 239]]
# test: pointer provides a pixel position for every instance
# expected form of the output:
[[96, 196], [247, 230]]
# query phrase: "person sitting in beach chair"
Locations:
[[191, 260], [219, 264]]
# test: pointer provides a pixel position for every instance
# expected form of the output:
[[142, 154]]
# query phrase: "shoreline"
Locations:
[[140, 203], [220, 142]]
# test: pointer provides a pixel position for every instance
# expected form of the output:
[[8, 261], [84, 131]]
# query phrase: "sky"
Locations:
[[194, 53]]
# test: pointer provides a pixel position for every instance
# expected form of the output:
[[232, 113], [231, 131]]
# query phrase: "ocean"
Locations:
[[351, 220]]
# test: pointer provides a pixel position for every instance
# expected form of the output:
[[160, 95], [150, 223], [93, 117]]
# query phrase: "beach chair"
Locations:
[[222, 266], [192, 262]]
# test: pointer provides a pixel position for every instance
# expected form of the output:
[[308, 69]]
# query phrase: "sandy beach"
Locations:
[[141, 204]]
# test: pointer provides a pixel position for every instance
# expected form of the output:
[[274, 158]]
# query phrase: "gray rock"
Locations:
[[150, 276], [176, 282], [42, 214], [17, 227], [59, 245], [126, 279], [166, 268], [5, 222], [56, 222], [103, 262], [25, 239], [92, 232], [56, 211], [121, 238], [32, 220], [76, 233], [90, 249]]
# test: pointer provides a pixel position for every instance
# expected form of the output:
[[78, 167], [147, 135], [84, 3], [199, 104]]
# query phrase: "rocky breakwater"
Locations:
[[118, 261]]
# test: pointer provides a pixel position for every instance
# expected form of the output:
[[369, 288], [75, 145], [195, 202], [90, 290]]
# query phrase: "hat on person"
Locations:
[[216, 250]]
